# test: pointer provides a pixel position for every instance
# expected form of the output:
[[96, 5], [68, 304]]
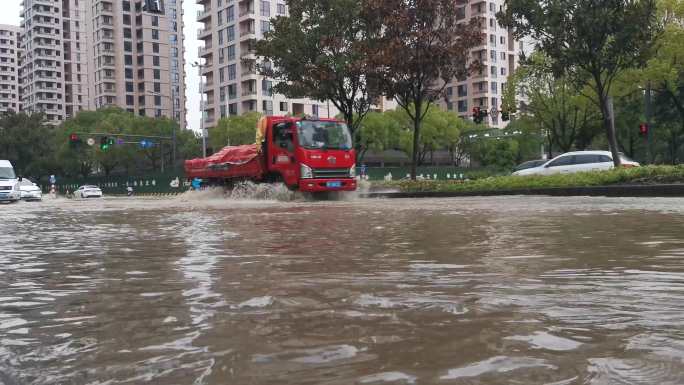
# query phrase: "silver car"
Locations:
[[30, 191]]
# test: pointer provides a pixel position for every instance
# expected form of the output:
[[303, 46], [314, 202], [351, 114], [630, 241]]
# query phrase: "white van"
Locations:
[[9, 183]]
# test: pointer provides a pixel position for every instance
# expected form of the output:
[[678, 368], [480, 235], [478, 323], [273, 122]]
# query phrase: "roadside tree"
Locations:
[[590, 41], [416, 48], [317, 51]]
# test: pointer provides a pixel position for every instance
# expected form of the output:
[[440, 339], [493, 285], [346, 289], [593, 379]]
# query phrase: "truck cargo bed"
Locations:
[[232, 162]]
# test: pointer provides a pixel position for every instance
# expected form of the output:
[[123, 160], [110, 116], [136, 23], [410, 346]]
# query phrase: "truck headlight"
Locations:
[[305, 172], [352, 171]]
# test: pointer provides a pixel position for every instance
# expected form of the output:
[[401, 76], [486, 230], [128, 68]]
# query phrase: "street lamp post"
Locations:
[[201, 91], [173, 132]]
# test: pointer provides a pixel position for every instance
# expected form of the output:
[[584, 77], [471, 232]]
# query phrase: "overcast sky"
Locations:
[[10, 15]]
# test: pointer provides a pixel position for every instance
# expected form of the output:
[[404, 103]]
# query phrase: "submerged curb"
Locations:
[[656, 190]]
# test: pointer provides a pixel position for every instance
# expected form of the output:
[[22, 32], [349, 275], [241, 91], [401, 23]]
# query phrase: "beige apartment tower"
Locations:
[[231, 84], [9, 68], [92, 54], [499, 59]]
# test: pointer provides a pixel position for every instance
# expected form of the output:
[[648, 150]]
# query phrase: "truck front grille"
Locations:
[[331, 173]]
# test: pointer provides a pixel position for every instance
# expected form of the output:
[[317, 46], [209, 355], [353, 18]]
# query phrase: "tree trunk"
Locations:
[[608, 126], [418, 105], [416, 138]]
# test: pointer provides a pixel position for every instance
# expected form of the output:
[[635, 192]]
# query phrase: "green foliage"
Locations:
[[25, 140], [37, 149], [568, 119], [234, 130], [636, 175], [497, 153]]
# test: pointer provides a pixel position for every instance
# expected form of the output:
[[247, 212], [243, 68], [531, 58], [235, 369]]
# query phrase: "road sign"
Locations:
[[91, 142]]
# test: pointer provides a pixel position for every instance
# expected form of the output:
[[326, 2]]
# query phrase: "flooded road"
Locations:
[[501, 290]]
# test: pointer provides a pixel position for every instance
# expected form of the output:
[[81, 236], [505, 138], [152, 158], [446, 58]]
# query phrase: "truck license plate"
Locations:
[[335, 184]]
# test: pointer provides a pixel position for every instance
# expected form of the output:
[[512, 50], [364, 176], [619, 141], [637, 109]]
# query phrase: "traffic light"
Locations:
[[643, 129], [74, 140], [110, 142], [104, 143], [505, 116], [477, 118]]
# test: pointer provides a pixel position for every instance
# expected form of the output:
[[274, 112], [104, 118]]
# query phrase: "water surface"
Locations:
[[527, 290]]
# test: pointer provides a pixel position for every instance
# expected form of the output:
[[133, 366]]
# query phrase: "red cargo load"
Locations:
[[231, 162]]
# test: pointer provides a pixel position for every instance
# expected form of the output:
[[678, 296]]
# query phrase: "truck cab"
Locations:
[[310, 154], [9, 183]]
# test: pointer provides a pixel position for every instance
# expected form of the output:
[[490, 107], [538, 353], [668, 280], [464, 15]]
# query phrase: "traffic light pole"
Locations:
[[647, 112]]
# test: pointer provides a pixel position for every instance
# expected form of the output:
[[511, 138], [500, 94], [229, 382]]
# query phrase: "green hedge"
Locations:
[[636, 175]]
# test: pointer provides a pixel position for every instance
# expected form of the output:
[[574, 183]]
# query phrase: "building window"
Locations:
[[265, 26], [155, 21], [155, 61], [157, 100], [155, 34], [282, 9], [265, 9], [232, 109], [314, 110], [130, 100], [230, 14], [230, 33], [231, 52], [157, 87], [157, 74], [462, 90], [155, 47], [231, 72], [494, 87], [462, 106]]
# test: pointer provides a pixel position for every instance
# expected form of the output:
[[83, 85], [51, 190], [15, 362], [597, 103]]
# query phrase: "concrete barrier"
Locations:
[[656, 190]]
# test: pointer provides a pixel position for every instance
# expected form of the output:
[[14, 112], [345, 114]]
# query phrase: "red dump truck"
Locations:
[[309, 155]]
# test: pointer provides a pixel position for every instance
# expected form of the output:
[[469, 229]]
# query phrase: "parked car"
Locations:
[[30, 191], [88, 191], [9, 183], [577, 161], [530, 164]]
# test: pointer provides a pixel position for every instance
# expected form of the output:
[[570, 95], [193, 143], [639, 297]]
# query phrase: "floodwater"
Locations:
[[203, 290]]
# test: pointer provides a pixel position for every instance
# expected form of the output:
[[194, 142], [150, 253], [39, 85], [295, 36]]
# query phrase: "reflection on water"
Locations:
[[205, 290]]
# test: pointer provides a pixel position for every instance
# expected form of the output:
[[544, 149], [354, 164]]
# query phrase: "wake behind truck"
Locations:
[[309, 155]]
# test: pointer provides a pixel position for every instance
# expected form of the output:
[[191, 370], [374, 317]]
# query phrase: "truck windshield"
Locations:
[[319, 134], [7, 173]]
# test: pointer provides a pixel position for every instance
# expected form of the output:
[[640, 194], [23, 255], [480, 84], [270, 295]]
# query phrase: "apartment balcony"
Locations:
[[248, 92], [203, 33], [248, 54], [204, 15], [204, 51], [246, 34], [245, 14]]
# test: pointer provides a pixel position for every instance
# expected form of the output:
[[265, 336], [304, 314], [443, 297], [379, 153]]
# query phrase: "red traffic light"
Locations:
[[643, 129], [73, 137]]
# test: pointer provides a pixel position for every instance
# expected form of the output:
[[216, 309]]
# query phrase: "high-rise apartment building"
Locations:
[[9, 68], [498, 57], [90, 54], [231, 83], [42, 67]]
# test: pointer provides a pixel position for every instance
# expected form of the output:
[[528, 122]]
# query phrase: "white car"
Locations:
[[88, 191], [577, 161], [30, 191], [9, 183]]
